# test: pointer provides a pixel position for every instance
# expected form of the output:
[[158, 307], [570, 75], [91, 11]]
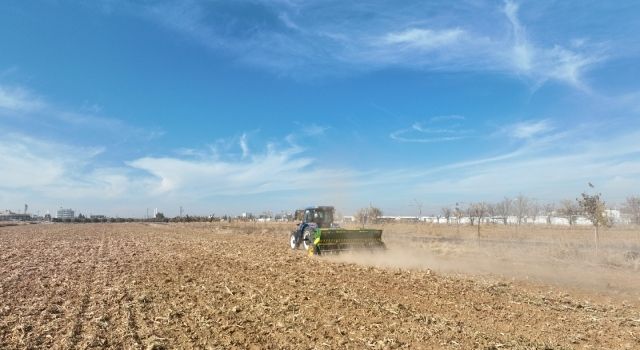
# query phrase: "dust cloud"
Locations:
[[572, 264]]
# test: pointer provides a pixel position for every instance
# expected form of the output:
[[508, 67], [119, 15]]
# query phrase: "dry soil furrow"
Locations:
[[208, 286], [82, 317]]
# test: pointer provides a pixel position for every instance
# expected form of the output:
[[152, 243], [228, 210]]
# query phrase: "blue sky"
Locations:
[[117, 106]]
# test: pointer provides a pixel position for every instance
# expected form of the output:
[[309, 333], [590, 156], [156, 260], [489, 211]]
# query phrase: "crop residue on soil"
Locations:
[[222, 287]]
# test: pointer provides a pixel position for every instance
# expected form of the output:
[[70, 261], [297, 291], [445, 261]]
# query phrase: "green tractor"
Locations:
[[318, 234]]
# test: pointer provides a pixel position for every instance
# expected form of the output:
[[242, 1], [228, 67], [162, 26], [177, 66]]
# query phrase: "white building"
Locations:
[[66, 214]]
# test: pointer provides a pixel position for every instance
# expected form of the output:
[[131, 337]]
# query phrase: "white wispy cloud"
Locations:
[[274, 170], [20, 102], [546, 166], [50, 170], [313, 129], [423, 39], [27, 162], [35, 163], [550, 176], [303, 39], [437, 129], [244, 146], [19, 99], [551, 165], [514, 52], [544, 63], [284, 17], [522, 50], [528, 129]]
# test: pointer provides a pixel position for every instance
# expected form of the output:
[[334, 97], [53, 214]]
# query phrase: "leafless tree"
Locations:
[[479, 211], [632, 208], [521, 207], [570, 210], [533, 211], [368, 215], [548, 210], [491, 211], [458, 213], [446, 212], [504, 208], [471, 214]]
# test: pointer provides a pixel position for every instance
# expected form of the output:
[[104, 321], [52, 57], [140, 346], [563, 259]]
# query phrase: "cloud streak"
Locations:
[[541, 64], [303, 39], [423, 39], [273, 171], [18, 99], [528, 129], [437, 129], [21, 105]]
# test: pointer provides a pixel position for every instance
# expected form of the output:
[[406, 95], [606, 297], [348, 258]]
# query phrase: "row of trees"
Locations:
[[523, 209], [590, 206], [526, 210]]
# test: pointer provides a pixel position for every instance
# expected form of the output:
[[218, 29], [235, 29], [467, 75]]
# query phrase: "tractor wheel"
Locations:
[[293, 242], [307, 238]]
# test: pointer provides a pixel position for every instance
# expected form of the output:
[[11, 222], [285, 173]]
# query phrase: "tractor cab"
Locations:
[[321, 216]]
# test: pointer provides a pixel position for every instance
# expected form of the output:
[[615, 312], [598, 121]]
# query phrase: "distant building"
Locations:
[[66, 214], [97, 217], [8, 215], [348, 218]]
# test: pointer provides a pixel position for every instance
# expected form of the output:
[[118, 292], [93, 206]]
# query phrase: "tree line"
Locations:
[[526, 210]]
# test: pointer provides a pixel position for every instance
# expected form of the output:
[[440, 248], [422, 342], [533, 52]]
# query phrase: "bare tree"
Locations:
[[521, 207], [491, 211], [471, 214], [368, 215], [548, 210], [458, 213], [479, 211], [594, 208], [375, 213], [533, 211], [632, 208], [504, 208], [570, 210], [446, 212]]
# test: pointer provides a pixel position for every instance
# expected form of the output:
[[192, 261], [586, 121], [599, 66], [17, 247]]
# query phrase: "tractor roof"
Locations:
[[323, 207]]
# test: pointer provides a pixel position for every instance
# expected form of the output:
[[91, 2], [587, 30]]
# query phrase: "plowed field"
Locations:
[[136, 286]]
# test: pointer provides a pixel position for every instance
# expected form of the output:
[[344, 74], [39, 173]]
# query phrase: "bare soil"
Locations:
[[139, 286]]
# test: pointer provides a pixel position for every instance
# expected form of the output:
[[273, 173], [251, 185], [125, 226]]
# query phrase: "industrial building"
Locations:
[[66, 214], [8, 215]]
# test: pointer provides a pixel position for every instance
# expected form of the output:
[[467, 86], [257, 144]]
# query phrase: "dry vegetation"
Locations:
[[219, 286]]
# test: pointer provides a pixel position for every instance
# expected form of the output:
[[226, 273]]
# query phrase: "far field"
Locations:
[[226, 286]]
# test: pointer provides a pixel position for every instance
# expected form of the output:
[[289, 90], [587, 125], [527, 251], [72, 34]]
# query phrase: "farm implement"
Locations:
[[318, 234]]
